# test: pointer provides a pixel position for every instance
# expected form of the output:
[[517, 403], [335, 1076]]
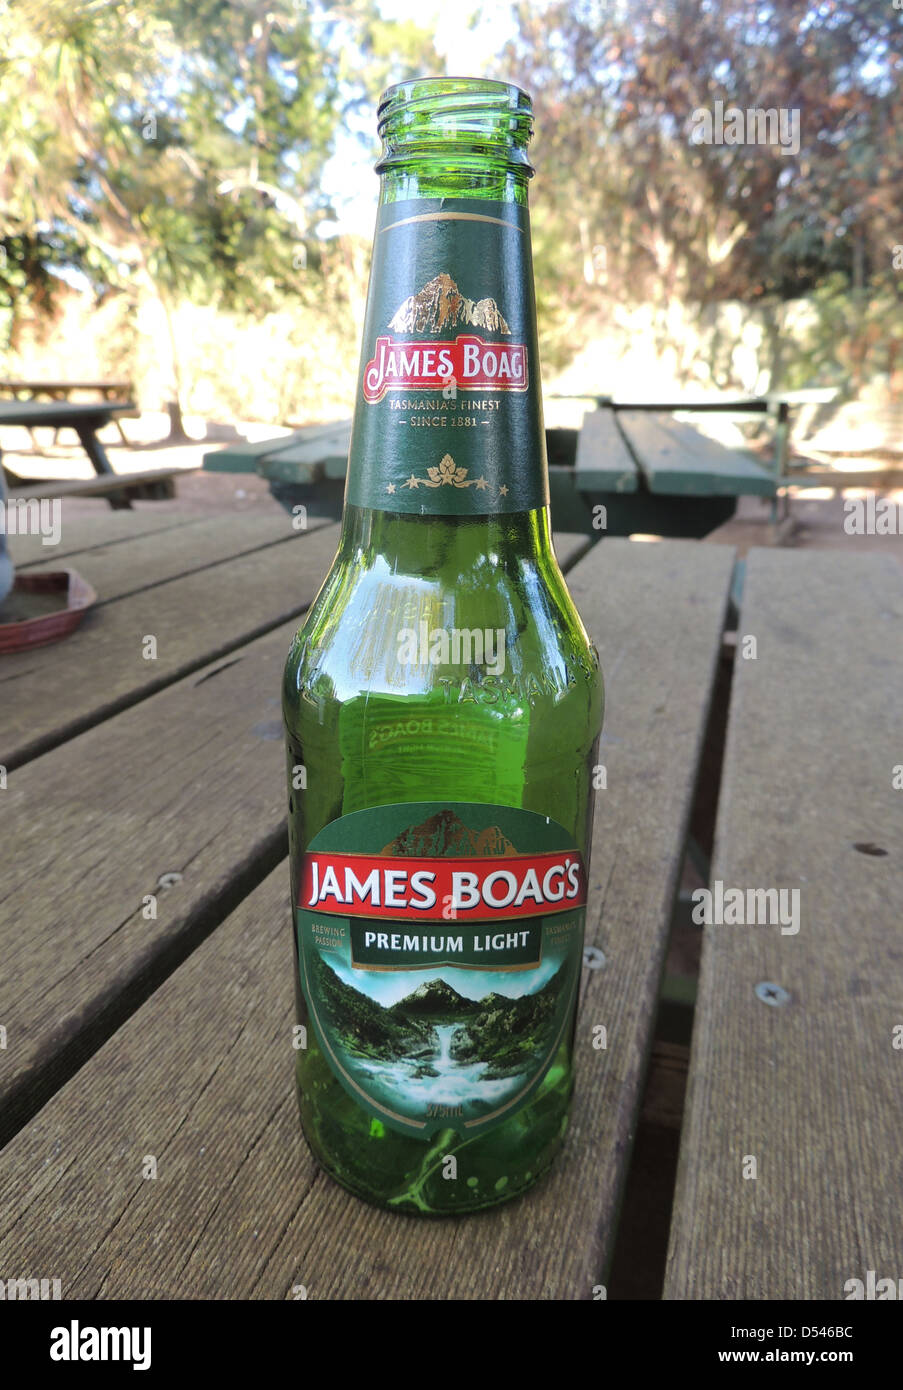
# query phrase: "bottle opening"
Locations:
[[460, 115]]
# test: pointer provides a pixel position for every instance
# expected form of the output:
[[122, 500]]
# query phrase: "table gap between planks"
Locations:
[[170, 1035]]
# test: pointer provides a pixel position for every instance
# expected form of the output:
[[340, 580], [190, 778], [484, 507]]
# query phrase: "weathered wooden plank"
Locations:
[[200, 1076], [55, 692], [189, 782], [116, 572], [676, 459], [80, 531], [604, 462], [242, 456], [60, 414], [153, 481], [811, 1088], [305, 460], [152, 558]]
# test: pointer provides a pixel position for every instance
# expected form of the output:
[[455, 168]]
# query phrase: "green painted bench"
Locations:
[[308, 467], [653, 474], [650, 472]]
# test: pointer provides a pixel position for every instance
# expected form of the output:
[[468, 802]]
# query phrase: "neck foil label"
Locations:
[[439, 950], [448, 416]]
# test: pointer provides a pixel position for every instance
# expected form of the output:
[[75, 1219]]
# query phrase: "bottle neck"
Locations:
[[458, 178], [448, 415], [455, 137]]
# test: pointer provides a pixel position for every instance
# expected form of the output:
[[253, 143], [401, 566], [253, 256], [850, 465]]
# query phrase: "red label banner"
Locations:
[[442, 889], [469, 361]]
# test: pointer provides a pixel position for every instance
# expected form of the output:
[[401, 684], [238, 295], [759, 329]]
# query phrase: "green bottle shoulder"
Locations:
[[513, 646]]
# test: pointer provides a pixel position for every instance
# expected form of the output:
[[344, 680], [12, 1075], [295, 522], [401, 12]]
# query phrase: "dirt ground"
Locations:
[[820, 518]]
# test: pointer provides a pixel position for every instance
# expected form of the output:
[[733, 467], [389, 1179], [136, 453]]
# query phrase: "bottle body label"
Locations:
[[439, 946], [448, 415]]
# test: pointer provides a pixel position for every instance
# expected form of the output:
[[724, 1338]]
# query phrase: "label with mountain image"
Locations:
[[449, 415], [439, 948]]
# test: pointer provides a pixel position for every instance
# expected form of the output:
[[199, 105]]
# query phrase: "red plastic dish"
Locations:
[[75, 596]]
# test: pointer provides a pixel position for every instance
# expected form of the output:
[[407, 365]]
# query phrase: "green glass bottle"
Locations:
[[442, 705]]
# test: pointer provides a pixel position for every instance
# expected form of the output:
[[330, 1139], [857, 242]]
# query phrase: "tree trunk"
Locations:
[[177, 433]]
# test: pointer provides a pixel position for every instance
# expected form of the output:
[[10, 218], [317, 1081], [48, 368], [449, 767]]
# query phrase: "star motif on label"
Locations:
[[481, 484], [503, 491], [390, 487], [412, 482]]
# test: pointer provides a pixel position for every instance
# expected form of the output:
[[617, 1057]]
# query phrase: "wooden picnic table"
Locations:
[[63, 390], [146, 990], [115, 391], [652, 475], [86, 419]]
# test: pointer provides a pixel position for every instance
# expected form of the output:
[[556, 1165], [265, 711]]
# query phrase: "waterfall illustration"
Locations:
[[445, 1031]]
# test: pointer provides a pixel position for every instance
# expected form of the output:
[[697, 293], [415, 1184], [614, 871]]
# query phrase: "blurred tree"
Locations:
[[173, 149], [637, 207]]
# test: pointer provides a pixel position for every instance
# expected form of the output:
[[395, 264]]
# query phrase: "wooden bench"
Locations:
[[655, 475], [308, 455], [119, 489], [641, 470]]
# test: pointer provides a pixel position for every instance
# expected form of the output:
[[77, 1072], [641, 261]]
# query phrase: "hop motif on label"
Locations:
[[447, 474]]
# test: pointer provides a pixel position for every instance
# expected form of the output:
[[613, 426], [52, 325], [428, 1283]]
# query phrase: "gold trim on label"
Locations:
[[450, 965]]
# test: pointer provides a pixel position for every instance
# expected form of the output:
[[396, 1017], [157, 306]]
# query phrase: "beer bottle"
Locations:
[[442, 705]]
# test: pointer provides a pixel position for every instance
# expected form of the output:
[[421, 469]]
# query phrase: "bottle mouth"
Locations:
[[455, 115]]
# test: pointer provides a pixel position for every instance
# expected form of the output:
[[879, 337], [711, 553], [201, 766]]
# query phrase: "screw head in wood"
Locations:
[[593, 958], [772, 994]]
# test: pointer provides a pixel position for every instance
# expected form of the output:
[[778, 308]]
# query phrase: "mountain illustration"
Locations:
[[445, 834], [507, 1035], [364, 1027], [435, 999], [509, 1032], [441, 305]]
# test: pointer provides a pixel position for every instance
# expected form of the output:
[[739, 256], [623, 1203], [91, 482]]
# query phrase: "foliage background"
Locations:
[[162, 209]]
